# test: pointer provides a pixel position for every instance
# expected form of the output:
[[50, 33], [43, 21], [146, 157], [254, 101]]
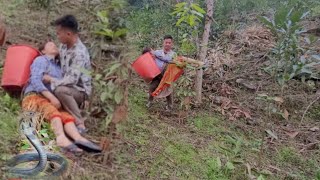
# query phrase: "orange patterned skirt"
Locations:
[[38, 103], [172, 73]]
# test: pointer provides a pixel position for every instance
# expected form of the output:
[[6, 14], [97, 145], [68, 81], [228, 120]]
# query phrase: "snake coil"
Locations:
[[27, 128]]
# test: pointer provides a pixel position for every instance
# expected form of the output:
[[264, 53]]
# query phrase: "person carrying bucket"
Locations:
[[161, 68], [162, 58]]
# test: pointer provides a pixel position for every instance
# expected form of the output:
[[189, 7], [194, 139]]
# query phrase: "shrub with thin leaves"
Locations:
[[110, 86], [103, 27], [288, 58]]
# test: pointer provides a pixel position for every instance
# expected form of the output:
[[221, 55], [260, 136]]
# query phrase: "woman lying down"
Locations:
[[38, 97]]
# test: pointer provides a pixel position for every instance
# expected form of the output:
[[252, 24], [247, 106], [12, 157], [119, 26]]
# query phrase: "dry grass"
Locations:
[[254, 40]]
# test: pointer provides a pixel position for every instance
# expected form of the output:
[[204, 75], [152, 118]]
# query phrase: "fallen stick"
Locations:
[[308, 107]]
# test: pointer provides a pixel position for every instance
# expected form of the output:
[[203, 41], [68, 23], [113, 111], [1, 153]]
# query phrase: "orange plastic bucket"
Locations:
[[146, 67], [16, 70]]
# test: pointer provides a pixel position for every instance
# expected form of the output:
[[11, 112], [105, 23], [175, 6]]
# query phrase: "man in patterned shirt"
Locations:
[[74, 88]]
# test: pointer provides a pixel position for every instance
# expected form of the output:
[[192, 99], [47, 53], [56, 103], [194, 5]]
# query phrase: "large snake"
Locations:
[[27, 127]]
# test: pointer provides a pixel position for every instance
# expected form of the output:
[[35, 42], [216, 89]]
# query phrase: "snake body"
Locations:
[[28, 129]]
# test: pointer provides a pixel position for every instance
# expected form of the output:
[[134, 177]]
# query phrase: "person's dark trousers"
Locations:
[[153, 86]]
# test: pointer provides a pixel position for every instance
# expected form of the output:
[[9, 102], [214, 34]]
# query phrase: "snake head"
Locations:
[[26, 122]]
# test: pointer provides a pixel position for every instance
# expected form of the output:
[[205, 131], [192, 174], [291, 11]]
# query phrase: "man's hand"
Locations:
[[55, 102], [46, 79]]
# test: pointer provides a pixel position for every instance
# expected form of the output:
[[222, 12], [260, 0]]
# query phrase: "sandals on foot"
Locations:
[[88, 146], [71, 148]]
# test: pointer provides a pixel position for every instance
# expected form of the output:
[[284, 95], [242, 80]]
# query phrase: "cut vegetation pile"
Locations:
[[250, 43]]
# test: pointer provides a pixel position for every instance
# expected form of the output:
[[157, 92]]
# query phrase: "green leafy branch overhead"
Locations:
[[190, 13]]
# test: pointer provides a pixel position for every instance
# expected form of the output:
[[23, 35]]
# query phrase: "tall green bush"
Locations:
[[288, 58]]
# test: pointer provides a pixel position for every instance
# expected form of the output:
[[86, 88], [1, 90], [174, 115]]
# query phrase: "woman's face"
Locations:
[[50, 49]]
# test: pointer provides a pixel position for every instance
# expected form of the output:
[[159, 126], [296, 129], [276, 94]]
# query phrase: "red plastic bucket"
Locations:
[[146, 67], [16, 70]]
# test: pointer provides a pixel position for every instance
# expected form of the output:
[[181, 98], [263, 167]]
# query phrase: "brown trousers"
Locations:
[[71, 100]]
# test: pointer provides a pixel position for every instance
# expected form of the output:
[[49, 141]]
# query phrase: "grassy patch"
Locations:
[[288, 155], [206, 124], [314, 113], [298, 166], [9, 133], [206, 147], [318, 175], [169, 151], [181, 160], [9, 8]]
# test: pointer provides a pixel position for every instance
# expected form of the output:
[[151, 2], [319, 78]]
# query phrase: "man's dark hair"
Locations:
[[167, 37], [68, 22], [146, 49]]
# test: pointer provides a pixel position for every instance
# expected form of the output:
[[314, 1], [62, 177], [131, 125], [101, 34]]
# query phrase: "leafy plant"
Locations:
[[46, 134], [232, 149], [190, 13], [185, 89], [274, 105], [261, 177], [189, 17], [110, 86], [9, 104], [149, 24], [111, 77], [103, 27], [288, 60], [218, 170], [187, 47], [25, 145]]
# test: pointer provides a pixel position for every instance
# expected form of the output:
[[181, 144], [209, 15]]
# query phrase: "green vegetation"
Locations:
[[288, 155], [289, 59], [206, 147], [9, 133]]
